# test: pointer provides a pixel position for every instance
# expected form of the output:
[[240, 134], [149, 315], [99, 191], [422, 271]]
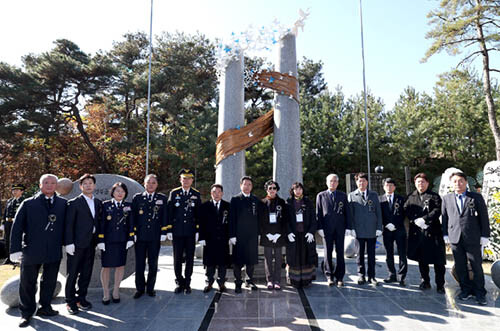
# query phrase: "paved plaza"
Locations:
[[319, 307]]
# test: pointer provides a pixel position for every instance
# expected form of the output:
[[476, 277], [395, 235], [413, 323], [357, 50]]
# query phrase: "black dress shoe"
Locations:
[[24, 322], [340, 283], [117, 300], [152, 293], [207, 288], [373, 281], [47, 312], [178, 289], [481, 300], [362, 280], [84, 304], [72, 308], [391, 279], [464, 296], [252, 286], [330, 282], [402, 282], [440, 290], [138, 294], [106, 302], [237, 289], [222, 288], [187, 290], [424, 286]]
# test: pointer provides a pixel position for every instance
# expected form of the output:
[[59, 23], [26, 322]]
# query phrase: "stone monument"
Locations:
[[287, 153], [104, 182], [231, 115]]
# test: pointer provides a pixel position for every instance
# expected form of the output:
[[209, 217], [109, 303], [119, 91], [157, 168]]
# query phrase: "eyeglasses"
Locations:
[[272, 188]]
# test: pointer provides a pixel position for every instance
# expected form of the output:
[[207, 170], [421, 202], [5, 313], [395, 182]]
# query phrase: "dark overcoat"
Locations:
[[214, 229]]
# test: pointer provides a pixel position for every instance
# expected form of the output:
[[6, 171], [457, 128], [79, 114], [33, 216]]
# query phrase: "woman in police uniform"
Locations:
[[115, 237]]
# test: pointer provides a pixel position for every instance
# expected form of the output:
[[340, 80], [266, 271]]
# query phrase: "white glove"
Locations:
[[135, 239], [16, 257], [484, 241], [269, 237], [2, 227], [378, 233], [163, 237], [420, 222], [390, 227], [202, 242], [130, 243], [309, 237], [169, 236], [101, 246], [321, 233], [276, 237], [291, 237], [347, 232], [232, 241], [446, 239], [353, 233], [196, 237], [70, 249]]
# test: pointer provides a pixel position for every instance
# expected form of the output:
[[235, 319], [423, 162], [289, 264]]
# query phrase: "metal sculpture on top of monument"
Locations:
[[283, 120]]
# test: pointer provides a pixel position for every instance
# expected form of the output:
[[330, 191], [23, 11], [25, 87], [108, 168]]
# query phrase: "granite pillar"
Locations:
[[231, 115], [287, 157]]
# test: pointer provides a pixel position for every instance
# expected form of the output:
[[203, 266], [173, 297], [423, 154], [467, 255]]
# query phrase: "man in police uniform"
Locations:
[[183, 224], [150, 224], [36, 241], [9, 214]]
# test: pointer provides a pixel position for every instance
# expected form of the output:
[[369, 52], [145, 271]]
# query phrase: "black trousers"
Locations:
[[398, 236], [221, 274], [151, 250], [79, 268], [461, 253], [237, 273], [439, 271], [7, 229], [183, 248], [28, 286], [336, 239], [369, 245]]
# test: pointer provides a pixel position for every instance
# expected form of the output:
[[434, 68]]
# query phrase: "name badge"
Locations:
[[272, 218], [300, 219]]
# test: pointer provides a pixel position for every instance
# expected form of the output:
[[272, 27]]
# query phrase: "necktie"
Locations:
[[217, 206], [461, 197], [332, 194], [49, 202], [364, 196], [389, 198], [150, 197]]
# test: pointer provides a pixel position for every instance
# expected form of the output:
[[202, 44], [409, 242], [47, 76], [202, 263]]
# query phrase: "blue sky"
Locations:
[[394, 33]]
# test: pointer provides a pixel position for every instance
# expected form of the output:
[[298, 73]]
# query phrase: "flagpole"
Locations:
[[365, 102], [149, 85]]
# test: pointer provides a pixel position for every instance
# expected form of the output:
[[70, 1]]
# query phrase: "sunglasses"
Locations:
[[272, 188]]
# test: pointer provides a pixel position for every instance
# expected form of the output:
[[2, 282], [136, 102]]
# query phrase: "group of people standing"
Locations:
[[46, 222]]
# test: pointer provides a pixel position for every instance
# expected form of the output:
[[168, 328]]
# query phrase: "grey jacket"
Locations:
[[366, 215]]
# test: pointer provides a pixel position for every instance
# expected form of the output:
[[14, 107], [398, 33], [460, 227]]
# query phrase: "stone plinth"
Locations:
[[231, 115], [9, 294], [287, 157]]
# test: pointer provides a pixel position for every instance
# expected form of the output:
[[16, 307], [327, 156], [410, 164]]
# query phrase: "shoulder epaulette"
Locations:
[[195, 189]]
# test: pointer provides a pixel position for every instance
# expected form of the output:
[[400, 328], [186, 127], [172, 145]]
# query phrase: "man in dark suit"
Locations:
[[367, 225], [9, 214], [80, 240], [466, 227], [36, 241], [150, 226], [245, 214], [183, 226], [214, 236], [334, 222], [393, 217]]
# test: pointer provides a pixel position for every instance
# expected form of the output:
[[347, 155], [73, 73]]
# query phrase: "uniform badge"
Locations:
[[126, 209], [177, 204], [52, 219], [192, 204], [156, 208], [109, 218], [194, 197], [159, 202], [141, 212], [340, 206]]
